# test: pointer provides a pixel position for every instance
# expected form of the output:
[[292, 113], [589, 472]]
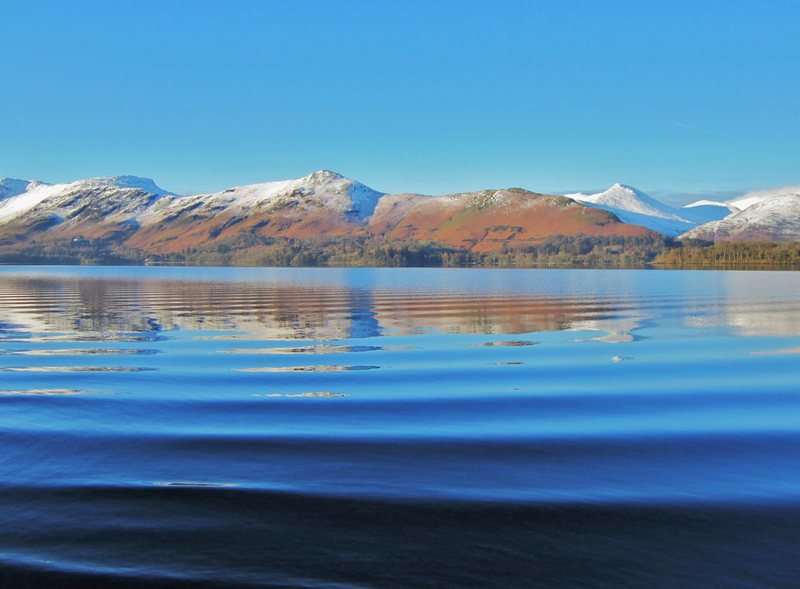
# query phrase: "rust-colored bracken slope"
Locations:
[[488, 220]]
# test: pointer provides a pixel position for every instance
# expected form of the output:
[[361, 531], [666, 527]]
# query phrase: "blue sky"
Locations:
[[429, 97]]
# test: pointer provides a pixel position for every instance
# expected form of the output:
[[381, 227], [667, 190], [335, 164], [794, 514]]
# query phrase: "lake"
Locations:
[[398, 428]]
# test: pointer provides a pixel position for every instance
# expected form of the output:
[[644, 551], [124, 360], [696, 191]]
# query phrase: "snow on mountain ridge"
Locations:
[[36, 194], [134, 182], [321, 189], [628, 198], [631, 205], [776, 217], [706, 203], [21, 203], [756, 196]]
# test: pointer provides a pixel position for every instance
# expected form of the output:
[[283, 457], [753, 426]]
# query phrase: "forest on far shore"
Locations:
[[565, 251]]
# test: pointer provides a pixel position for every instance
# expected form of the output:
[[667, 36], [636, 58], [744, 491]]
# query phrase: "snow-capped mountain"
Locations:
[[633, 206], [772, 218], [93, 207]]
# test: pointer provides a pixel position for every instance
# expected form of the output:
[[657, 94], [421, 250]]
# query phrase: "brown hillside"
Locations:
[[486, 221]]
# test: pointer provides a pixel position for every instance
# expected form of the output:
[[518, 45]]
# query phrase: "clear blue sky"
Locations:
[[430, 96]]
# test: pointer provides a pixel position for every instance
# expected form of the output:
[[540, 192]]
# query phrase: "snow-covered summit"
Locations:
[[748, 199], [628, 198], [324, 176], [631, 205], [710, 214], [121, 182], [757, 196], [112, 193], [17, 204], [318, 190]]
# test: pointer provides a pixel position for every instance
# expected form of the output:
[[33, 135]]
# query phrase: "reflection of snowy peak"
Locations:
[[634, 206]]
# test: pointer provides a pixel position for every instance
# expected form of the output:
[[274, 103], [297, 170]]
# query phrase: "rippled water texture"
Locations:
[[398, 428]]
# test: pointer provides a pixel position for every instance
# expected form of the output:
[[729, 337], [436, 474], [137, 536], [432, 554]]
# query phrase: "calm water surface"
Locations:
[[398, 428]]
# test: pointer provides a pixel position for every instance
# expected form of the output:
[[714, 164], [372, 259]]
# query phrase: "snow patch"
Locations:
[[21, 203]]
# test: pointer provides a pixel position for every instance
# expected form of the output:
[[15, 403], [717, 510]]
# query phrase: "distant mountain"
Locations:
[[772, 218], [633, 206], [756, 196], [491, 219]]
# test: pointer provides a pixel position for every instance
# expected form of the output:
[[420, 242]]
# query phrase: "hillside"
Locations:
[[492, 219]]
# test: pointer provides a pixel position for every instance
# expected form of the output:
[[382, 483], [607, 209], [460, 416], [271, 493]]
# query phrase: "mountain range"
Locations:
[[137, 213]]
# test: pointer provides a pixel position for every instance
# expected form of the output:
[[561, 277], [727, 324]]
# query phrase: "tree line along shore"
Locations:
[[563, 251]]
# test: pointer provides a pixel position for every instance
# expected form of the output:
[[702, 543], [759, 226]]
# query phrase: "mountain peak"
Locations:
[[619, 187], [324, 176], [631, 205]]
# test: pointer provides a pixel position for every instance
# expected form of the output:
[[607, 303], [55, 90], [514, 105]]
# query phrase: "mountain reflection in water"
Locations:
[[196, 427]]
